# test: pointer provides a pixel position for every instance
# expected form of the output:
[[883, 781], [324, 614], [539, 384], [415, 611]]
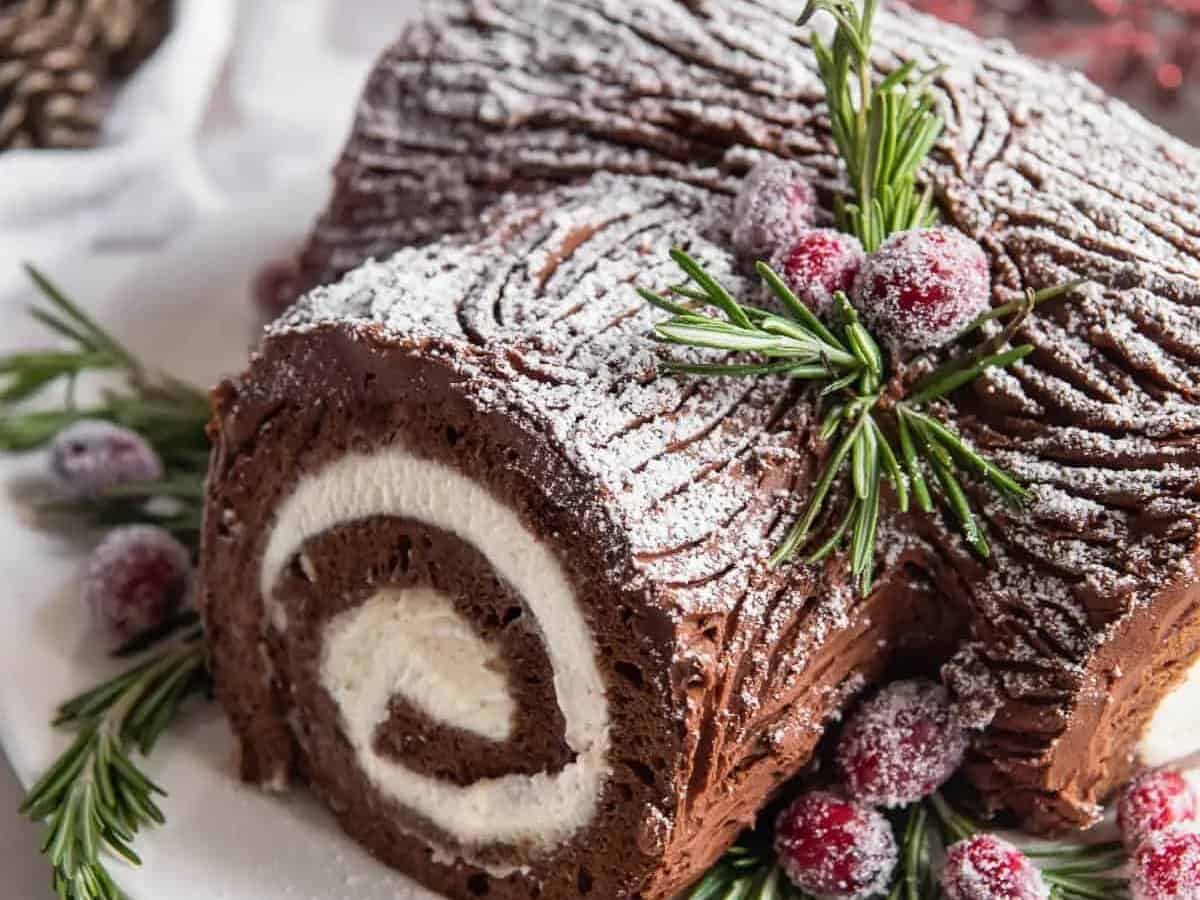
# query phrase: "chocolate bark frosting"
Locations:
[[509, 363]]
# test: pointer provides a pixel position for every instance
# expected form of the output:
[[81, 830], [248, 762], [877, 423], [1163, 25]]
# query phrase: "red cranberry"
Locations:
[[818, 263], [1154, 802], [93, 455], [901, 745], [988, 868], [834, 849], [136, 578], [775, 203], [922, 288], [1167, 867]]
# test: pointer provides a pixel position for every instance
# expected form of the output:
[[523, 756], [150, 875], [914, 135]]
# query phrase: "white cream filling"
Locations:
[[413, 643], [1174, 730], [542, 809]]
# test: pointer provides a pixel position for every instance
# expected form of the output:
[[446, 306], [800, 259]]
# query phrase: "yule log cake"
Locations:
[[498, 587]]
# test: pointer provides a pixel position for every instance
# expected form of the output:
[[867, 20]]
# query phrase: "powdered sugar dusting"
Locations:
[[830, 847], [989, 868], [1054, 180], [901, 745]]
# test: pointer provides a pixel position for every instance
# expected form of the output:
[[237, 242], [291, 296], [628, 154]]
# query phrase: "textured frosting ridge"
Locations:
[[1059, 647]]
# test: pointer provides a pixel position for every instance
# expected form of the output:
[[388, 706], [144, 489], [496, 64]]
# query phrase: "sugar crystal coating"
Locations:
[[986, 867], [136, 578], [923, 287], [93, 455], [818, 263], [775, 203], [901, 745], [835, 849], [1167, 867], [1154, 802]]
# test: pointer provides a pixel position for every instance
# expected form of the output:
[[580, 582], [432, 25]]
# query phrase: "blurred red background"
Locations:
[[1145, 51]]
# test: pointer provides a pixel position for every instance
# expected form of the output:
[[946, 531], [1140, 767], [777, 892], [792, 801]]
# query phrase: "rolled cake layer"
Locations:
[[1053, 178], [499, 591]]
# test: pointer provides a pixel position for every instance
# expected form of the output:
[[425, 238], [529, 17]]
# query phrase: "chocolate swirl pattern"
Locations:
[[515, 353], [490, 424], [413, 643]]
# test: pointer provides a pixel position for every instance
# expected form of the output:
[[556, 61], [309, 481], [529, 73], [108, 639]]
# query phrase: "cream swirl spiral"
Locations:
[[411, 643]]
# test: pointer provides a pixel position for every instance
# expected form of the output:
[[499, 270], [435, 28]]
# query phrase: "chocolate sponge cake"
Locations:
[[498, 588]]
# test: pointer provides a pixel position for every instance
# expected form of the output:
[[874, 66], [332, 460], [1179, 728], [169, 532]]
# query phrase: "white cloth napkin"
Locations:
[[242, 95], [55, 202]]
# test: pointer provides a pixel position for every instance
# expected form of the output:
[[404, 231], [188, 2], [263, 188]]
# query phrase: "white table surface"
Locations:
[[23, 873]]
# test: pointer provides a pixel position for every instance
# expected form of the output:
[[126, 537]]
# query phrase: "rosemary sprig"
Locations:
[[94, 797], [170, 414], [749, 871], [745, 873], [883, 131], [846, 361]]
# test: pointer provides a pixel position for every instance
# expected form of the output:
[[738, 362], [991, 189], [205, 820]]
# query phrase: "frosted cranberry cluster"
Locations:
[[898, 748], [918, 291], [138, 576], [1157, 815]]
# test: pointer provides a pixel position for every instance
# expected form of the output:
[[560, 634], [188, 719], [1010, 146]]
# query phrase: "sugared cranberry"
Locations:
[[1167, 867], [775, 203], [819, 262], [835, 849], [1154, 802], [988, 868], [922, 288], [901, 745], [136, 578], [91, 456]]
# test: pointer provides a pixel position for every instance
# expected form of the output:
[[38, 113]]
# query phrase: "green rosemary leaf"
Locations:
[[28, 431], [864, 460], [957, 826], [726, 337], [915, 853], [769, 887], [961, 507], [1080, 851], [865, 349], [835, 539], [800, 530], [1000, 479], [863, 540], [715, 291], [716, 369], [840, 384], [79, 325], [891, 465], [716, 880], [93, 796], [941, 384], [1085, 889], [912, 463], [832, 421], [798, 310], [661, 302], [1035, 300]]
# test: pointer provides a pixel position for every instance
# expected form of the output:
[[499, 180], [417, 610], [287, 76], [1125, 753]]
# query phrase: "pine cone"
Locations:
[[58, 58]]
